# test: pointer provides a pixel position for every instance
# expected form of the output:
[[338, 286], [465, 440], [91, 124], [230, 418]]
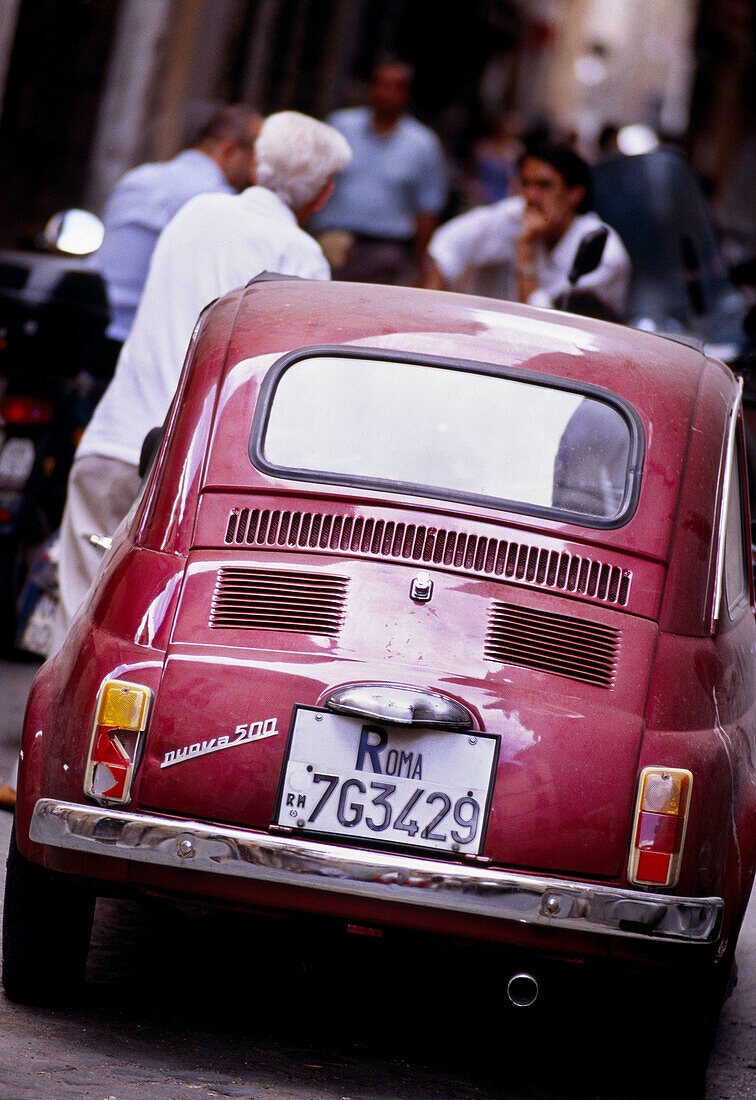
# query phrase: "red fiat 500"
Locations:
[[434, 613]]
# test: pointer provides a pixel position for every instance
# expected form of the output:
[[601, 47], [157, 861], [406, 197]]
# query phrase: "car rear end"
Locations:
[[349, 546], [383, 652]]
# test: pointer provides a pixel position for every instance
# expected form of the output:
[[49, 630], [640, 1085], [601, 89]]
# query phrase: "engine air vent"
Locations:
[[270, 599], [534, 566], [559, 644]]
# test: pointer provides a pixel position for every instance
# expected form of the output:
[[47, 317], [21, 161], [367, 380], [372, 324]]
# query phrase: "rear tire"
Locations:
[[12, 572], [47, 925], [680, 1015]]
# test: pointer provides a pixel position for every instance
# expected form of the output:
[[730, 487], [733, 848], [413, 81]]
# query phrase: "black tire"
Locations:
[[47, 925], [679, 1016], [12, 572]]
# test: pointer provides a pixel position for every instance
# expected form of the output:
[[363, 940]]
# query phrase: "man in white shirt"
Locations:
[[215, 243], [537, 234]]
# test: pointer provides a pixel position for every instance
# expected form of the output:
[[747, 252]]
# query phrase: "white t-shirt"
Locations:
[[214, 244], [488, 235]]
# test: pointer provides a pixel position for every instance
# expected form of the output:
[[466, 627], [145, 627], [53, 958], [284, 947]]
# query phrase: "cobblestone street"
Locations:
[[180, 1006]]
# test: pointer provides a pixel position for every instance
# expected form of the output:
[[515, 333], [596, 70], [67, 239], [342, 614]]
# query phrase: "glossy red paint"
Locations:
[[681, 694]]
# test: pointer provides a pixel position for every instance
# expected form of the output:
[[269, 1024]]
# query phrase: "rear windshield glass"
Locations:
[[450, 432]]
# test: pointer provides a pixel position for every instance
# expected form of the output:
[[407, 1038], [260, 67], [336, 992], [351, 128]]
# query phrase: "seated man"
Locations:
[[537, 233]]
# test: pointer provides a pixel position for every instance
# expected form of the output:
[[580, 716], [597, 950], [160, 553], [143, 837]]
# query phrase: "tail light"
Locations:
[[20, 409], [120, 719], [659, 826]]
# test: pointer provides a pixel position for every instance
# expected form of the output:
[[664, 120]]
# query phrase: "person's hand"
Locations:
[[532, 229], [534, 225]]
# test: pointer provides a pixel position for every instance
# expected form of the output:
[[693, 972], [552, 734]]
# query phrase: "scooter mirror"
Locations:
[[589, 253], [76, 232], [150, 446]]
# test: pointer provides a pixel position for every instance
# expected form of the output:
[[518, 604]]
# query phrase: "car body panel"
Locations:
[[547, 745]]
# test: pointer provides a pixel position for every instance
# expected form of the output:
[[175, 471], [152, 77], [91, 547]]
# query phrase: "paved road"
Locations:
[[178, 1007]]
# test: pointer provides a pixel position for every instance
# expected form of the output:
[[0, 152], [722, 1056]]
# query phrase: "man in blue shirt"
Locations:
[[386, 204], [147, 197]]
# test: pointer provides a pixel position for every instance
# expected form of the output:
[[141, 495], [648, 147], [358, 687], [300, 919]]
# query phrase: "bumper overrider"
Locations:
[[384, 876]]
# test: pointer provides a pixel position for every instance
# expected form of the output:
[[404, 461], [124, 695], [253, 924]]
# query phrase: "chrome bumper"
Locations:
[[383, 876]]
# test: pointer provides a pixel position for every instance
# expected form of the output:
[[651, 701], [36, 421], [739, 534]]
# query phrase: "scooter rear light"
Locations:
[[120, 719], [659, 826], [21, 409], [17, 456], [9, 499]]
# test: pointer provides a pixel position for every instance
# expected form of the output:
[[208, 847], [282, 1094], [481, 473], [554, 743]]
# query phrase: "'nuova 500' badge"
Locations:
[[248, 731]]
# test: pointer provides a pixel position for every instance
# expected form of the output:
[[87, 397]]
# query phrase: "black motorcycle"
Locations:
[[55, 362], [680, 284]]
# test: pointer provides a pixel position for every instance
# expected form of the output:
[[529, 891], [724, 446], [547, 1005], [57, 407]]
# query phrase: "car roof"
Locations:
[[682, 398], [649, 370]]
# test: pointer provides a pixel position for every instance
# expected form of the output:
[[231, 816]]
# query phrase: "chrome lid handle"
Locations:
[[400, 705]]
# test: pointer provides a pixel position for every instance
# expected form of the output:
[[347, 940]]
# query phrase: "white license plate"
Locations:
[[356, 777]]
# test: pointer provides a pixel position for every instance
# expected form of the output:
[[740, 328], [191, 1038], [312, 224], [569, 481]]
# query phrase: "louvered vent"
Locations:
[[269, 599], [553, 643], [516, 561]]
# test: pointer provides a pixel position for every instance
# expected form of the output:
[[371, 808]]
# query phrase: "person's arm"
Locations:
[[434, 280], [525, 272], [425, 226], [478, 237], [531, 231], [430, 192]]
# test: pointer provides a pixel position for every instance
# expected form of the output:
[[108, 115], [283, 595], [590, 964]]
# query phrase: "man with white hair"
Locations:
[[215, 243]]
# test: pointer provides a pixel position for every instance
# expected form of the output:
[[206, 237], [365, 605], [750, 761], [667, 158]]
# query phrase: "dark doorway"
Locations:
[[57, 71]]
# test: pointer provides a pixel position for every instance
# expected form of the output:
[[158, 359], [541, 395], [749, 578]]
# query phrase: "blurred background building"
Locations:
[[88, 88]]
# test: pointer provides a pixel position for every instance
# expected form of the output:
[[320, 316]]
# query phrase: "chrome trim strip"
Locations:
[[724, 505], [383, 876]]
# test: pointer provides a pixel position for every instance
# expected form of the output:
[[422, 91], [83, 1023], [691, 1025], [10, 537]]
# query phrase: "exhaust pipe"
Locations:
[[522, 990]]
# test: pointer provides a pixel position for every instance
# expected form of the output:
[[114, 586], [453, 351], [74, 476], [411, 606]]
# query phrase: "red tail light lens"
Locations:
[[21, 409], [659, 826], [120, 719]]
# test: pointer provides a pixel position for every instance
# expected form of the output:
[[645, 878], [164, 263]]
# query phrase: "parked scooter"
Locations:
[[680, 285], [55, 361]]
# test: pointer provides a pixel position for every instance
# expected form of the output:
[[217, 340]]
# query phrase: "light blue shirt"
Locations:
[[141, 205], [390, 179]]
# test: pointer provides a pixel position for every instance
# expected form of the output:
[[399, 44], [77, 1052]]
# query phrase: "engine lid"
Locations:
[[559, 685]]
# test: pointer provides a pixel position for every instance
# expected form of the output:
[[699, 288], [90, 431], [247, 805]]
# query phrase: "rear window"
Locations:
[[450, 430]]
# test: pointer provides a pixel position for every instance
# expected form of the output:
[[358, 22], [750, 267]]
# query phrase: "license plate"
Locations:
[[358, 778]]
